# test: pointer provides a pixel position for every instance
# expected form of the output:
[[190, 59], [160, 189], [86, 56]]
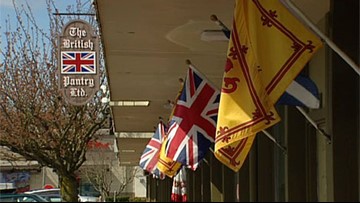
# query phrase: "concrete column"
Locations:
[[243, 188], [216, 176], [265, 170], [190, 185], [197, 182], [229, 184], [205, 178], [345, 98], [296, 160]]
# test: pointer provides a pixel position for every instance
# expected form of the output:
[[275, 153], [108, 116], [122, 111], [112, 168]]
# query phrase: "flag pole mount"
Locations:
[[313, 123], [218, 22], [214, 18], [273, 139]]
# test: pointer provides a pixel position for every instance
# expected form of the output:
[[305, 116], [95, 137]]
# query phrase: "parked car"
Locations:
[[83, 198], [21, 198], [7, 188], [52, 195]]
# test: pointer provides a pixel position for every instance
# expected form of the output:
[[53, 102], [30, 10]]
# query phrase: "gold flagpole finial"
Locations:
[[213, 17]]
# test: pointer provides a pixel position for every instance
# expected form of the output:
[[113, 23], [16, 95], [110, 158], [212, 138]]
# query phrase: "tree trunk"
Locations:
[[69, 188], [104, 195]]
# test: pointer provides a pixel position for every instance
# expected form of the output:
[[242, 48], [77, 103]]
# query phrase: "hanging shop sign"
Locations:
[[78, 62]]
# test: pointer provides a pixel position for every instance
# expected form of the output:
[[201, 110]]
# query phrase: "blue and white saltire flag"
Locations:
[[301, 92], [150, 156], [193, 124]]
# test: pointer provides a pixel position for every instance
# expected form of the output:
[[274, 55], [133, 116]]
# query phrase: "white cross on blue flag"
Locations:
[[301, 92]]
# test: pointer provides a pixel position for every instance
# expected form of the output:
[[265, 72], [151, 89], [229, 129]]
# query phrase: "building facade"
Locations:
[[126, 181], [314, 167]]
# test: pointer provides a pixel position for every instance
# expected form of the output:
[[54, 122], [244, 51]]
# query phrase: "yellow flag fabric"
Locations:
[[166, 165], [267, 49]]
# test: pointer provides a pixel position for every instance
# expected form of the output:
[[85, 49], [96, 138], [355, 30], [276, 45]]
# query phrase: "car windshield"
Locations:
[[88, 190], [21, 198], [54, 199], [52, 195]]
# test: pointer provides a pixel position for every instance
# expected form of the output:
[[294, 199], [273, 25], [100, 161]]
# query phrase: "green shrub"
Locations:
[[118, 199], [138, 199]]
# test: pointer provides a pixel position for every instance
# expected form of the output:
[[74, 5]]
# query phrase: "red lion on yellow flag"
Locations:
[[268, 48]]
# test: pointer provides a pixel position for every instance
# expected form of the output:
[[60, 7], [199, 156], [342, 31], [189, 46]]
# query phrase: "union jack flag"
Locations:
[[192, 127], [150, 156], [78, 62]]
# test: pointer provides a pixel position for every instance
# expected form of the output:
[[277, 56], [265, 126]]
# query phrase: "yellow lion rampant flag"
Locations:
[[166, 165], [267, 49]]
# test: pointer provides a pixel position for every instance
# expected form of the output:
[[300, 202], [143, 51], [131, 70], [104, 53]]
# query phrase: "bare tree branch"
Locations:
[[35, 121]]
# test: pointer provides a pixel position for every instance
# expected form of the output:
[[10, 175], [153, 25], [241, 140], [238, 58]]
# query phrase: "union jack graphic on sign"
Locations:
[[78, 62]]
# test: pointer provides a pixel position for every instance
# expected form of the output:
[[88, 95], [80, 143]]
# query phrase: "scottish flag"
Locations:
[[301, 92]]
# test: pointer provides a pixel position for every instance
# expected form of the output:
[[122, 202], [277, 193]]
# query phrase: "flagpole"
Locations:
[[273, 139], [330, 43], [314, 124], [218, 22], [188, 62]]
